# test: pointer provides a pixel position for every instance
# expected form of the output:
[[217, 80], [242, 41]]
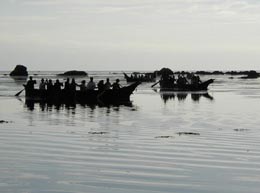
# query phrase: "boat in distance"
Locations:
[[111, 96], [141, 77], [168, 86]]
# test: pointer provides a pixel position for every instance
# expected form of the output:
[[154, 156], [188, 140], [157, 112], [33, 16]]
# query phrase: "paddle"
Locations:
[[155, 83], [17, 94]]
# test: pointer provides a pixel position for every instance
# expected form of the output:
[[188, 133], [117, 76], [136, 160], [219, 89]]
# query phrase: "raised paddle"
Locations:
[[17, 94], [155, 83]]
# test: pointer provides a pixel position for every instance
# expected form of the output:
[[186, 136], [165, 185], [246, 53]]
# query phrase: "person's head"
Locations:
[[30, 77], [83, 82], [42, 80], [91, 79], [107, 79], [57, 81], [117, 80], [68, 79], [50, 80]]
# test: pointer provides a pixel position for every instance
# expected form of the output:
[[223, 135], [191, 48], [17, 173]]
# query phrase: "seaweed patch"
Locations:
[[188, 133]]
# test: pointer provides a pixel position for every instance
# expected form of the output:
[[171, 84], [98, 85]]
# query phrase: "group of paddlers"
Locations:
[[142, 76], [68, 85], [181, 79]]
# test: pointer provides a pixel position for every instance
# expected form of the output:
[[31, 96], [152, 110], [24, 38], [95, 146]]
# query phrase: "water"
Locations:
[[188, 143]]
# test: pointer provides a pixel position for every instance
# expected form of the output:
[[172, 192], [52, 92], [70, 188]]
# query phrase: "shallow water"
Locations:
[[181, 143]]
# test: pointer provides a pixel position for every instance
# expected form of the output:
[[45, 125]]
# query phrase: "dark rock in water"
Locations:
[[203, 73], [74, 73], [165, 71], [187, 133], [3, 121], [251, 74], [19, 70]]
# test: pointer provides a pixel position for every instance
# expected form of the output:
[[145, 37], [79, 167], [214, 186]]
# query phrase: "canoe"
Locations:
[[168, 86], [142, 77], [88, 97]]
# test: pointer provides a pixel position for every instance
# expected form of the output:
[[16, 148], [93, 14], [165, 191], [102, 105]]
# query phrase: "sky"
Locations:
[[130, 34]]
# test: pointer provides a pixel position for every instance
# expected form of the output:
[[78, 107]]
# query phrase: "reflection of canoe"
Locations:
[[141, 77], [88, 97], [183, 95], [168, 86]]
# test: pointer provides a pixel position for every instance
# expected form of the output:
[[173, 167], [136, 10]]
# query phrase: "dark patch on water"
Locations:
[[241, 130], [164, 136], [3, 121], [188, 133], [98, 133]]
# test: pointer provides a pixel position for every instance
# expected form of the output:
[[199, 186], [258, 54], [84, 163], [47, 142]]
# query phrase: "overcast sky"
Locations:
[[130, 34]]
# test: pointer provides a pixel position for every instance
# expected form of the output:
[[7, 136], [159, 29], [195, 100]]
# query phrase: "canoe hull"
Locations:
[[88, 97], [167, 86]]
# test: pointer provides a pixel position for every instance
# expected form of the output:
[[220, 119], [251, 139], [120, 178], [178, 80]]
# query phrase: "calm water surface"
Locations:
[[176, 142]]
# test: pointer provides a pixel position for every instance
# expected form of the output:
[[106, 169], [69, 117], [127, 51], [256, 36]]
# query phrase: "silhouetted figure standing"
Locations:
[[42, 88], [30, 84], [101, 86], [91, 84], [107, 85], [82, 86], [57, 86], [42, 85], [49, 86], [116, 85], [73, 85], [67, 84]]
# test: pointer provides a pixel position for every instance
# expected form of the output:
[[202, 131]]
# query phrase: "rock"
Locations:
[[74, 73], [19, 70], [251, 74], [165, 71], [3, 121]]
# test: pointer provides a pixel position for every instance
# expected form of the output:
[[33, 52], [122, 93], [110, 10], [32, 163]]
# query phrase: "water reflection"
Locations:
[[19, 80], [181, 96], [31, 105]]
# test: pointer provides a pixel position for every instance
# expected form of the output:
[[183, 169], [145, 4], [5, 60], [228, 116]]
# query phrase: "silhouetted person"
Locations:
[[107, 85], [172, 79], [116, 85], [181, 81], [83, 86], [49, 86], [101, 85], [30, 84], [67, 84], [73, 85], [91, 84], [195, 80], [42, 85], [57, 86]]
